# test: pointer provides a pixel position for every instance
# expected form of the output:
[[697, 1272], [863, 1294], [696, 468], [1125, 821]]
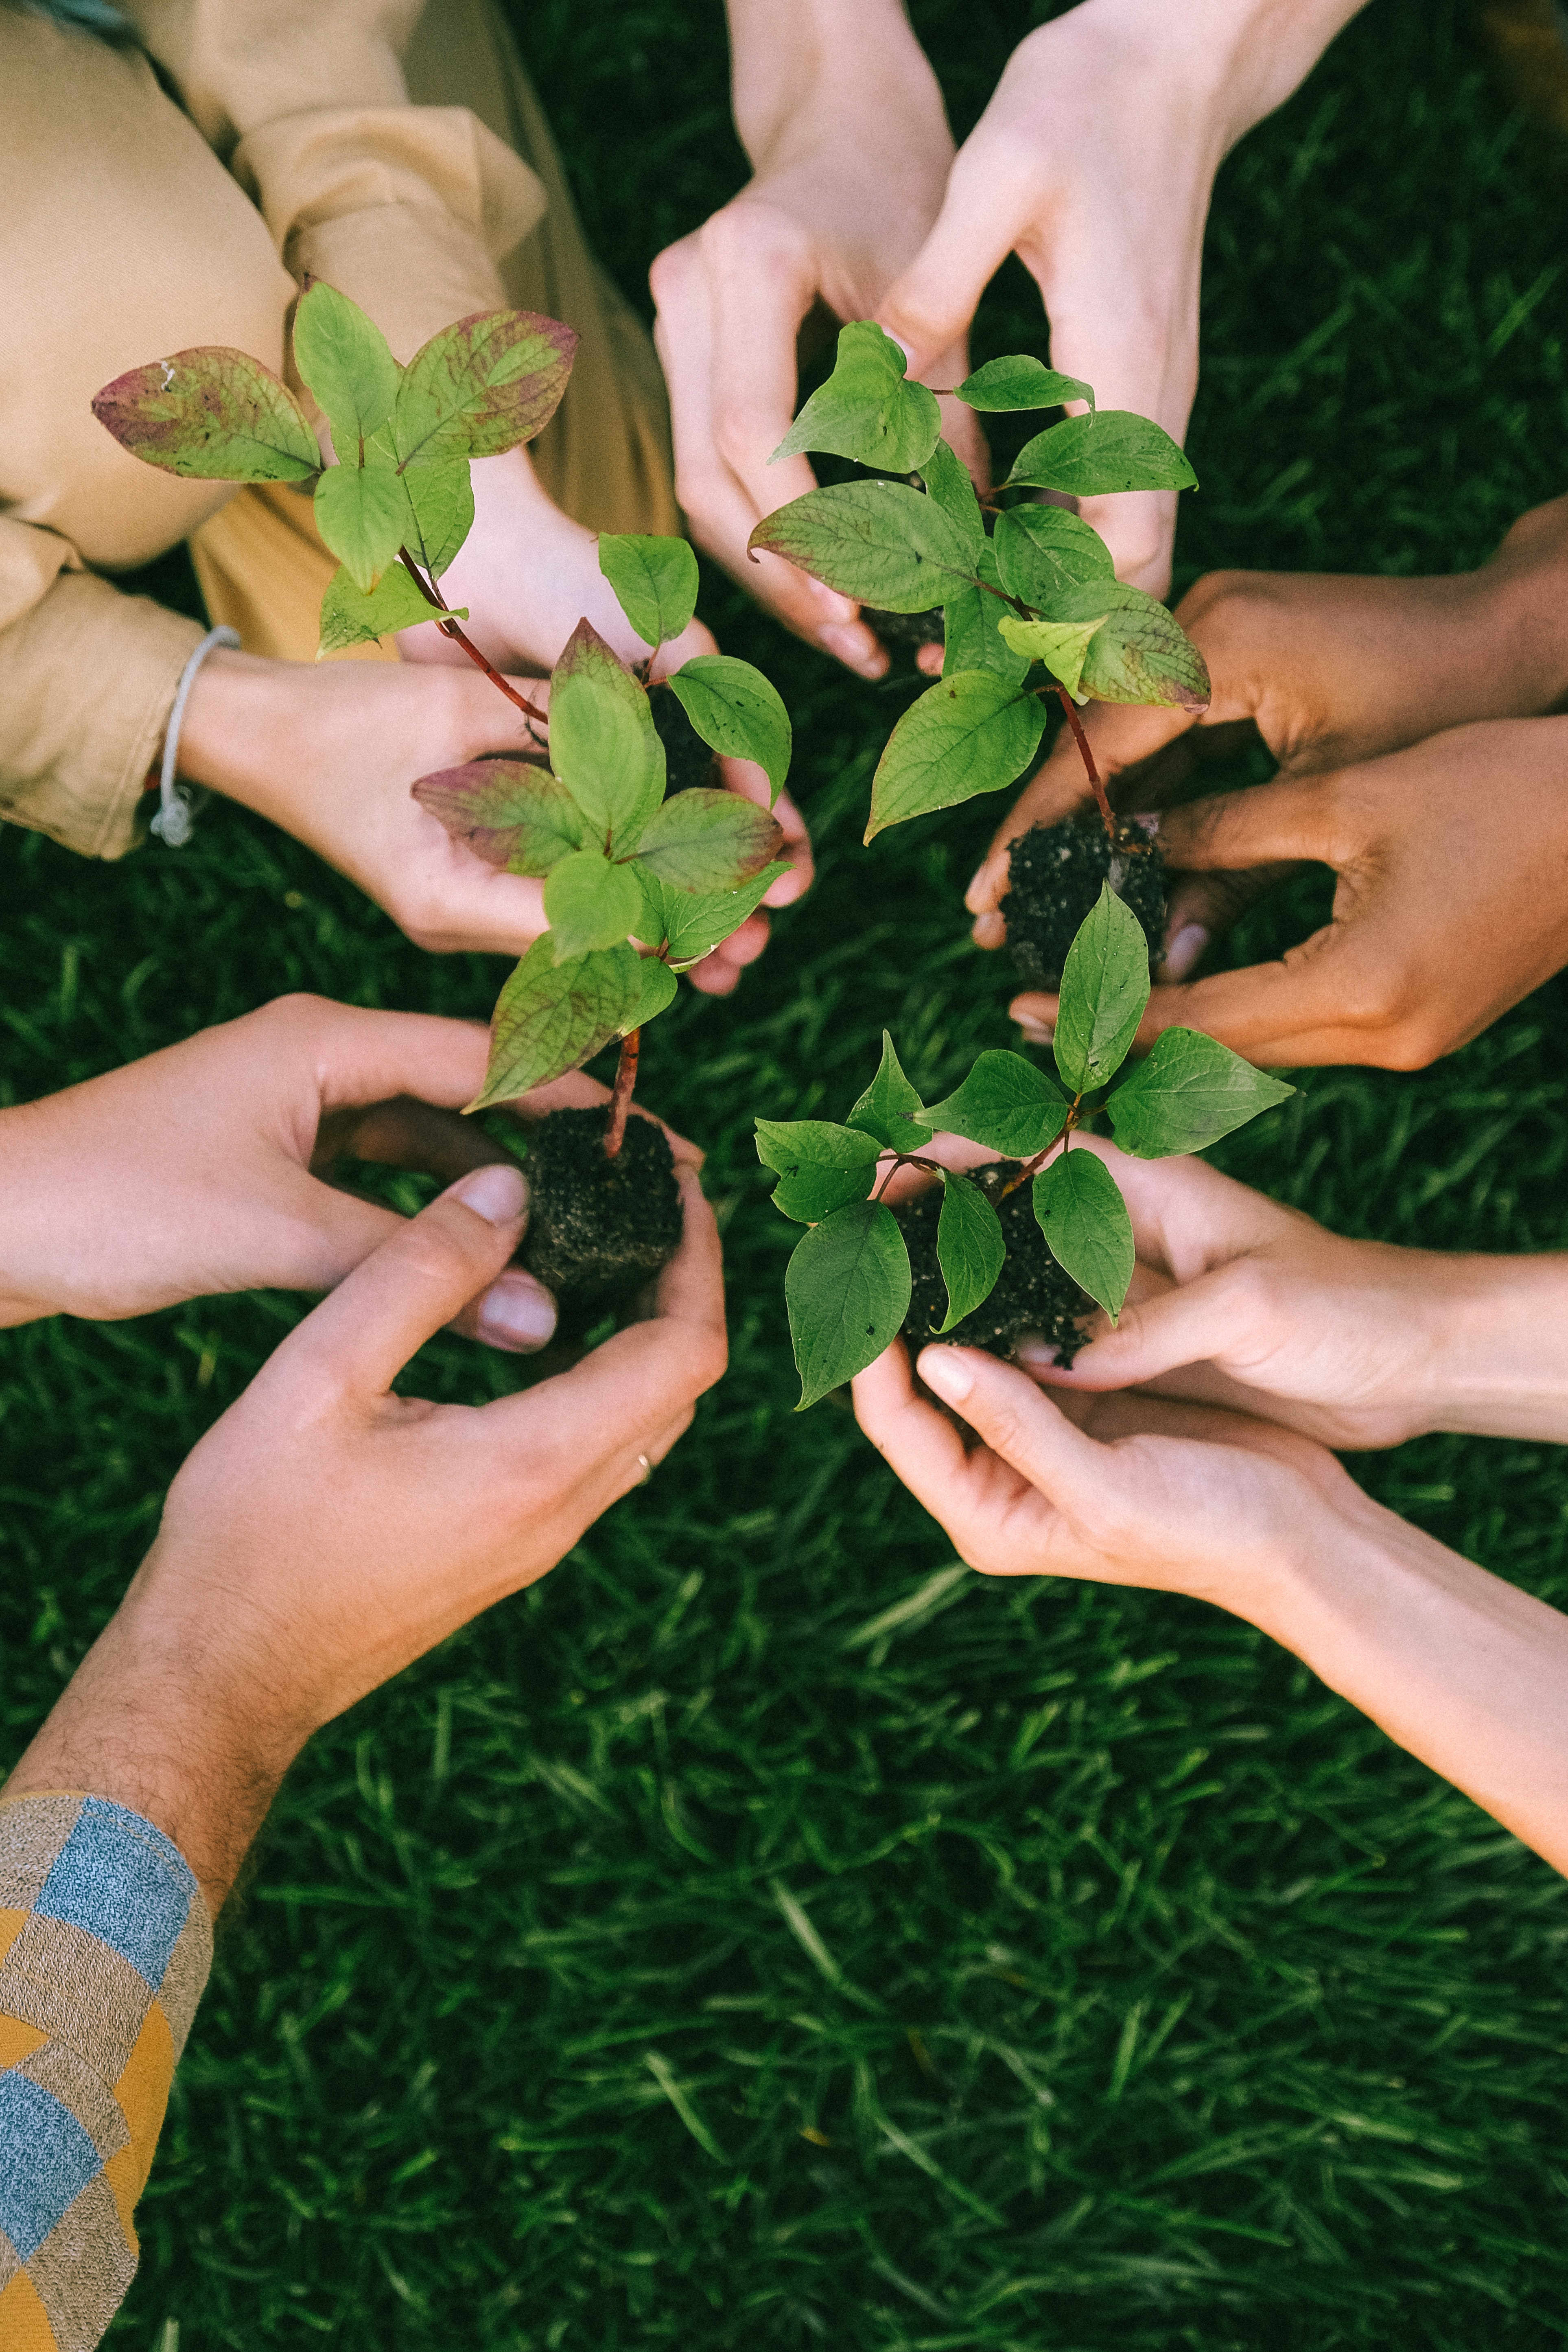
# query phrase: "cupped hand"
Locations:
[[196, 1172], [1331, 671], [849, 169], [1131, 1490], [1451, 901]]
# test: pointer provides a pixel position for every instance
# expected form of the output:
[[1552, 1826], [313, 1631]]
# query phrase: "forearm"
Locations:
[[841, 55], [1250, 55], [1463, 1670], [1496, 1350]]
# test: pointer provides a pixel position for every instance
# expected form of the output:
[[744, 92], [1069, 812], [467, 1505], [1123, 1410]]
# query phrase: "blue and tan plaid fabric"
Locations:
[[105, 1944]]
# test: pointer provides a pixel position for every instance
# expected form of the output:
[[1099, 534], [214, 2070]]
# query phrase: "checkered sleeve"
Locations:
[[105, 1944]]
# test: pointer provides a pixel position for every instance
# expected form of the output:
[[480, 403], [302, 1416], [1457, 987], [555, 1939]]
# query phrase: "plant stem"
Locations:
[[454, 630], [1076, 723], [621, 1100], [1033, 1167]]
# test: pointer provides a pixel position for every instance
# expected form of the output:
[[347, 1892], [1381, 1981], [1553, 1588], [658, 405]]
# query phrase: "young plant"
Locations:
[[849, 1283], [394, 504], [1032, 611]]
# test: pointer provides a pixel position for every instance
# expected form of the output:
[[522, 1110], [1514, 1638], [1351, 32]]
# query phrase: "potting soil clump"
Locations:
[[1033, 1294], [687, 758], [911, 629], [1054, 874], [599, 1229]]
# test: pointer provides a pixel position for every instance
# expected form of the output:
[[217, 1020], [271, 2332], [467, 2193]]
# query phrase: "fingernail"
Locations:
[[945, 1372], [1037, 1032], [978, 882], [1036, 1357], [1184, 950], [988, 931], [517, 1313], [497, 1193], [854, 645], [908, 348]]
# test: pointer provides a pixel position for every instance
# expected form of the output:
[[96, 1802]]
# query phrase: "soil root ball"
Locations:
[[1054, 877], [688, 761], [1034, 1294], [599, 1229], [911, 629]]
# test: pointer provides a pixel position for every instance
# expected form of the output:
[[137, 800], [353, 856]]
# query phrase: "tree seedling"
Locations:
[[986, 1266], [1032, 610], [619, 861]]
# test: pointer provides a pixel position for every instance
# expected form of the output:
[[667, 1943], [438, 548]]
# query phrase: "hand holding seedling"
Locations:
[[1048, 1225], [326, 1532], [1239, 1301], [1094, 162], [1331, 671], [843, 121], [200, 1170], [1468, 1673], [1449, 906]]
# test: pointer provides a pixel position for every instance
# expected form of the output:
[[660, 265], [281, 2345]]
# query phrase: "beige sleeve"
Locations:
[[407, 209], [87, 681]]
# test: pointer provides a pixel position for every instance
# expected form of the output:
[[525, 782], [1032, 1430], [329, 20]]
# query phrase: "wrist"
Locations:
[[1498, 1362], [823, 59], [1524, 594], [1239, 59]]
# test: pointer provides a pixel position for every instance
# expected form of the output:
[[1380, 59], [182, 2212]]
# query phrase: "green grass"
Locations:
[[758, 1935]]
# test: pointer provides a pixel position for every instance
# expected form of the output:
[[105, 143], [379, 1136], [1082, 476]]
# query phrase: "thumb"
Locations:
[[1190, 1323], [359, 1339], [928, 309], [1021, 1427]]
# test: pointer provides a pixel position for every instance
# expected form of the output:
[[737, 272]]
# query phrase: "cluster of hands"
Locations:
[[330, 1529]]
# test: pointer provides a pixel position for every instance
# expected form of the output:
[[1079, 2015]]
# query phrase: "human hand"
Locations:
[[1331, 671], [326, 1532], [1094, 162], [1241, 1302], [196, 1172], [332, 755], [1448, 908], [844, 123]]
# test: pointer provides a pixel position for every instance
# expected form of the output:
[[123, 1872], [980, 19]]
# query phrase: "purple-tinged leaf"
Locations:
[[212, 414]]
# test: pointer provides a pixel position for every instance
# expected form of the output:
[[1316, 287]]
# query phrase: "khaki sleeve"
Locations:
[[407, 209], [87, 682]]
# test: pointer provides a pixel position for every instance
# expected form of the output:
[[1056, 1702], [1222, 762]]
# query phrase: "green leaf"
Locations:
[[550, 1018], [1084, 1219], [655, 580], [659, 991], [1060, 644], [694, 923], [705, 840], [967, 734], [603, 742], [511, 812], [867, 410], [973, 639], [1141, 655], [212, 414], [1110, 450], [1043, 551], [970, 1247], [1105, 986], [1019, 382], [1004, 1102], [848, 1290], [891, 547], [589, 903], [437, 512], [1189, 1092], [823, 1167], [736, 712], [947, 480], [347, 362], [481, 386], [889, 1108], [349, 618], [360, 513]]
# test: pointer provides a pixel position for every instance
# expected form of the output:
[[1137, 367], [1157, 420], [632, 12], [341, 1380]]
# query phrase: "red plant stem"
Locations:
[[1076, 723], [1033, 1167], [454, 630], [621, 1100]]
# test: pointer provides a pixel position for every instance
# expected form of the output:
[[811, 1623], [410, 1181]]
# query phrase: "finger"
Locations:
[[928, 309], [356, 1057], [1201, 908], [1287, 822], [403, 1134], [920, 1445], [1019, 1426], [1190, 1323], [762, 281], [750, 781], [360, 1338]]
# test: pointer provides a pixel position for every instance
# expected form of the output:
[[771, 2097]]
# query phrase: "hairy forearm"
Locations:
[[839, 55], [1461, 1668]]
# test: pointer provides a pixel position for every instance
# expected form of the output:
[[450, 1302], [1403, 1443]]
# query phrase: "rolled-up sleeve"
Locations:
[[407, 209]]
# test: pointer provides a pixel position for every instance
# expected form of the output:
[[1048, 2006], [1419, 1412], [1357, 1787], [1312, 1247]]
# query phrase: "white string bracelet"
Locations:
[[173, 820]]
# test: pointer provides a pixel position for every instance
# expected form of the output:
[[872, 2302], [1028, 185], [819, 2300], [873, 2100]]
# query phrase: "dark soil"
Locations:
[[598, 1229], [898, 630], [688, 761], [1033, 1295], [1054, 873]]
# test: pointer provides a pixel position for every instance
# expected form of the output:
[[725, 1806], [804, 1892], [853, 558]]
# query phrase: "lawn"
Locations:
[[763, 1933]]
